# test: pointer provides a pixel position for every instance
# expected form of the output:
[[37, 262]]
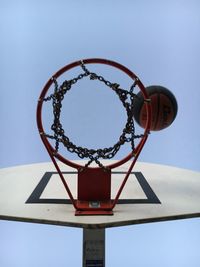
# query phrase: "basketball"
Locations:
[[163, 105]]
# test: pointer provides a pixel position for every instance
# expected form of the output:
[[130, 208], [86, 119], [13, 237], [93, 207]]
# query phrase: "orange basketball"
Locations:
[[163, 105]]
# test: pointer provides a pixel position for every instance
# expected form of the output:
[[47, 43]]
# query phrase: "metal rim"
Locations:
[[47, 144]]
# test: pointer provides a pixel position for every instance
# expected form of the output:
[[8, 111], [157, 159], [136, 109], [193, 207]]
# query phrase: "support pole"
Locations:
[[93, 247]]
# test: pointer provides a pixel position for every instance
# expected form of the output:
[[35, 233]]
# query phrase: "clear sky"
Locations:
[[159, 41]]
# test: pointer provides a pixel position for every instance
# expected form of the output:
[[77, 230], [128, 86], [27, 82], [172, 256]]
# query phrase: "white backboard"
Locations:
[[34, 193]]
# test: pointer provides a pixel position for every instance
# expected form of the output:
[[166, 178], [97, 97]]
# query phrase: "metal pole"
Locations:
[[93, 247]]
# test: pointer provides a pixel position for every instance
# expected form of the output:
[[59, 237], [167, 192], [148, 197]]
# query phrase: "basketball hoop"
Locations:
[[94, 183]]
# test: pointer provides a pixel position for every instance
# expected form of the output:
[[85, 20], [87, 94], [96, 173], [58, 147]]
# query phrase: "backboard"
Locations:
[[34, 193]]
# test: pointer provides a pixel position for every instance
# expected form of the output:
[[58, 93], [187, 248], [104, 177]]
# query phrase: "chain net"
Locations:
[[93, 155]]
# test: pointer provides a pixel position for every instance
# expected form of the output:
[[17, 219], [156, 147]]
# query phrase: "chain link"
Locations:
[[93, 155]]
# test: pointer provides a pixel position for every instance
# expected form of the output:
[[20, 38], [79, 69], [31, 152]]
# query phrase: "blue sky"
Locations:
[[159, 41]]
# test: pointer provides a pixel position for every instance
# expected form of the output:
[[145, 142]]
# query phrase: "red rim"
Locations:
[[75, 64]]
